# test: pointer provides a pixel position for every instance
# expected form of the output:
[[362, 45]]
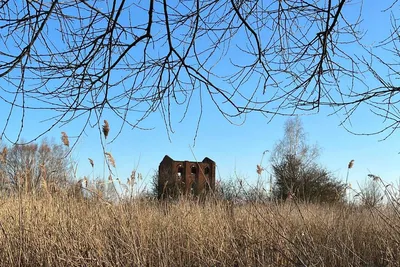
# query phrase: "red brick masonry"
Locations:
[[185, 177]]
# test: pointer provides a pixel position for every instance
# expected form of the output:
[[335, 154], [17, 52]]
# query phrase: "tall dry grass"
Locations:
[[65, 231]]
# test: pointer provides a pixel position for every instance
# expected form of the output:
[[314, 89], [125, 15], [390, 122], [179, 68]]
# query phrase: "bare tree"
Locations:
[[294, 143], [78, 59], [25, 167], [296, 171]]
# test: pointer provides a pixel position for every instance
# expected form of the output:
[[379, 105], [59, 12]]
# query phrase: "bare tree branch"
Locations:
[[80, 59]]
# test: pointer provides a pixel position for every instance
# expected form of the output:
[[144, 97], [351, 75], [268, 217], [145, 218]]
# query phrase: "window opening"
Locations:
[[180, 170], [193, 170]]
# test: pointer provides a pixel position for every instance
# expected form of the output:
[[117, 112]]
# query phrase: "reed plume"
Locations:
[[85, 181], [64, 139], [349, 166], [351, 163], [131, 179], [259, 169], [3, 155], [91, 162], [106, 129], [110, 159], [374, 177]]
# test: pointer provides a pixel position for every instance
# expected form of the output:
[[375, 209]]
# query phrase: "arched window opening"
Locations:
[[193, 170], [180, 170], [207, 171]]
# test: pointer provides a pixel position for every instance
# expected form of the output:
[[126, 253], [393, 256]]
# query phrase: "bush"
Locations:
[[308, 183]]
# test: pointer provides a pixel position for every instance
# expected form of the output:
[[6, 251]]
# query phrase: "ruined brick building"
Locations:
[[185, 177]]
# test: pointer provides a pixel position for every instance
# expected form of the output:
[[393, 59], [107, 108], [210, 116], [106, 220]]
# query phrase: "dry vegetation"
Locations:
[[79, 225], [65, 231]]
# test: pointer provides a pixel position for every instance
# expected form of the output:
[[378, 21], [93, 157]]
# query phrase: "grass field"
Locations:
[[64, 231]]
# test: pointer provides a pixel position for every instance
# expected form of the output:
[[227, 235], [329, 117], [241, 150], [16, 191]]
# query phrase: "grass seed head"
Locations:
[[351, 163], [91, 162], [64, 139], [106, 129], [259, 169], [3, 155], [131, 179], [374, 177], [110, 159]]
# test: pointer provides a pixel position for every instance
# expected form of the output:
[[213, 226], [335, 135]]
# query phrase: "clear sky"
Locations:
[[235, 149]]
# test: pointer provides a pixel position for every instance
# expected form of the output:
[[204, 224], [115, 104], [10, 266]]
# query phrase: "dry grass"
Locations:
[[65, 231]]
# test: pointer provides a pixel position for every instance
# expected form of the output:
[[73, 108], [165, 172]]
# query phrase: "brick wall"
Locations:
[[187, 177]]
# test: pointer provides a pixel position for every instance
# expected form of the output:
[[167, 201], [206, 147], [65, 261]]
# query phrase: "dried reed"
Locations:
[[259, 170], [85, 181], [64, 139], [348, 186], [374, 177], [131, 179], [3, 155], [91, 162], [106, 129], [351, 163], [110, 159], [69, 232]]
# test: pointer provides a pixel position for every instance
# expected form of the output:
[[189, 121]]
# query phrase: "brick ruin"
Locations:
[[185, 177]]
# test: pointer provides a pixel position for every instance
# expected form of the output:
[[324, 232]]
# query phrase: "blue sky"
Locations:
[[236, 149]]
